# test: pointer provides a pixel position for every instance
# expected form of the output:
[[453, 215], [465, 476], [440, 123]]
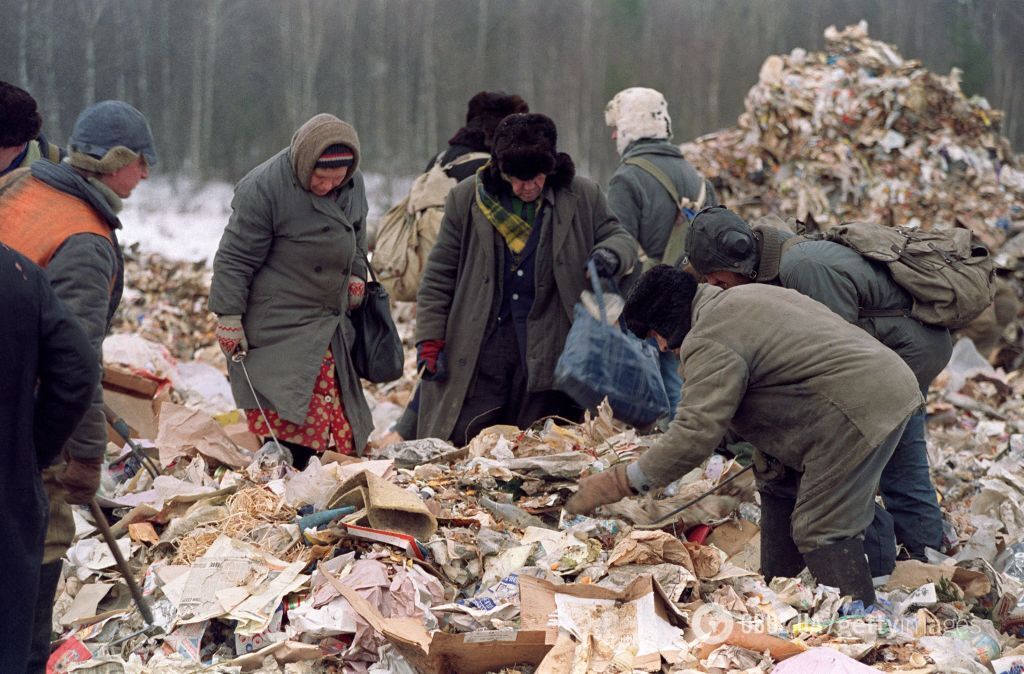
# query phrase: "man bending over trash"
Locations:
[[820, 398]]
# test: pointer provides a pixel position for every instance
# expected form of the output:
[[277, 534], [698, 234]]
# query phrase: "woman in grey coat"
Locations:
[[288, 274]]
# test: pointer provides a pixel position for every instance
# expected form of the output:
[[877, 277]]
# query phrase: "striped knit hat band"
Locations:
[[336, 156]]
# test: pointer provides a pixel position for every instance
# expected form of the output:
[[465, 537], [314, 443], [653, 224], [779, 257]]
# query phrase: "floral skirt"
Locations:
[[326, 426]]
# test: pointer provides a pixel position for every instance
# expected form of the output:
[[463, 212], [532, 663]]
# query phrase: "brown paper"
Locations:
[[780, 649], [912, 574], [184, 431], [143, 532], [732, 537], [388, 506]]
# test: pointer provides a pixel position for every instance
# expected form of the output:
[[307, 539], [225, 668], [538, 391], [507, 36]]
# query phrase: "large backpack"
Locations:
[[675, 248], [949, 273], [408, 231]]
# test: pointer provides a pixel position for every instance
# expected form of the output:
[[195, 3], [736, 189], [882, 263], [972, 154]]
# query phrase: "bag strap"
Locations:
[[598, 292], [463, 159], [369, 268], [659, 175]]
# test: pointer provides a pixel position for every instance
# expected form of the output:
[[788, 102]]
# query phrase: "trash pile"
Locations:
[[424, 557], [165, 302], [857, 132]]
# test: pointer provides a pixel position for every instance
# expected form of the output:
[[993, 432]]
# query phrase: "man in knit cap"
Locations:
[[64, 217], [729, 253], [647, 189], [287, 277], [496, 300]]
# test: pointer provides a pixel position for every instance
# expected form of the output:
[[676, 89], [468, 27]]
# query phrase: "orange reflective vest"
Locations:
[[36, 219]]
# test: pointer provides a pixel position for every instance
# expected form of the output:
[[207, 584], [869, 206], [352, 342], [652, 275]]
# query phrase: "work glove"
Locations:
[[356, 293], [81, 479], [431, 362], [767, 468], [599, 489], [605, 261], [231, 335]]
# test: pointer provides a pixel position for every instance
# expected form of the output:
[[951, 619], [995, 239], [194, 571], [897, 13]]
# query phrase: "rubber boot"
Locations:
[[843, 565], [42, 629], [779, 554]]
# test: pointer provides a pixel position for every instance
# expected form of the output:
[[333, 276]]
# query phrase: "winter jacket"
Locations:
[[461, 291], [48, 372], [846, 282], [642, 204], [86, 269], [786, 374], [283, 263], [34, 150]]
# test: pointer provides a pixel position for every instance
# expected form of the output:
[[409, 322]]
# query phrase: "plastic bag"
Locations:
[[601, 361]]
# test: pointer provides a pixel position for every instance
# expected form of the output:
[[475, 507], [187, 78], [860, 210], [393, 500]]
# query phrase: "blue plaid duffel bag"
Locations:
[[601, 361]]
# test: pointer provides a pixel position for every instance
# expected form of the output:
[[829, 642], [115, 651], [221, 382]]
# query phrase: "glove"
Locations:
[[81, 479], [606, 262], [767, 468], [356, 293], [596, 490], [231, 335], [431, 361]]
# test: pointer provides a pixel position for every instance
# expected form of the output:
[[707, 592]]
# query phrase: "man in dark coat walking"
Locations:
[[48, 373], [496, 300], [468, 150]]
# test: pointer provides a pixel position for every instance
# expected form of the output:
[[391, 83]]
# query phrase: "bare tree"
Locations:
[[92, 12]]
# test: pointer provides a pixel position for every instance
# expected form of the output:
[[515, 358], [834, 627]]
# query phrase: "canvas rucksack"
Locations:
[[949, 273], [675, 248], [408, 231]]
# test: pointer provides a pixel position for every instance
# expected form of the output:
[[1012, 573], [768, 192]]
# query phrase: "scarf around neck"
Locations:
[[513, 229]]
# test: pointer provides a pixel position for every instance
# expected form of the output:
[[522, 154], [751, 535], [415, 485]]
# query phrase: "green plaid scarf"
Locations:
[[512, 228]]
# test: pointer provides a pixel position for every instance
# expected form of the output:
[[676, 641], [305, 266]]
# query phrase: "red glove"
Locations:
[[230, 334], [430, 360], [356, 292]]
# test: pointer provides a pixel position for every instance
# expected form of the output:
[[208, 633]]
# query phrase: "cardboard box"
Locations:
[[440, 652], [135, 396]]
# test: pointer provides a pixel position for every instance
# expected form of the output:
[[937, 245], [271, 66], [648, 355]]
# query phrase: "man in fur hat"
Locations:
[[828, 412], [21, 143], [64, 217], [468, 150], [639, 192], [496, 300], [729, 253]]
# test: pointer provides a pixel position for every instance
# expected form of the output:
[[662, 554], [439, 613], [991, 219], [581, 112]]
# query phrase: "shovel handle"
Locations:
[[122, 564]]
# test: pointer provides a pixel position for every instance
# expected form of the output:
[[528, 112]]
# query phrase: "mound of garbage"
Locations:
[[858, 132]]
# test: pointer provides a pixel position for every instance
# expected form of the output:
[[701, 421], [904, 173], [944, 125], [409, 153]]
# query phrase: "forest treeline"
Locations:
[[226, 82]]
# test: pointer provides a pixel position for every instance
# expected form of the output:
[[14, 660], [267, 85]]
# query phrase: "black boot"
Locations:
[[843, 565], [779, 555], [42, 630]]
